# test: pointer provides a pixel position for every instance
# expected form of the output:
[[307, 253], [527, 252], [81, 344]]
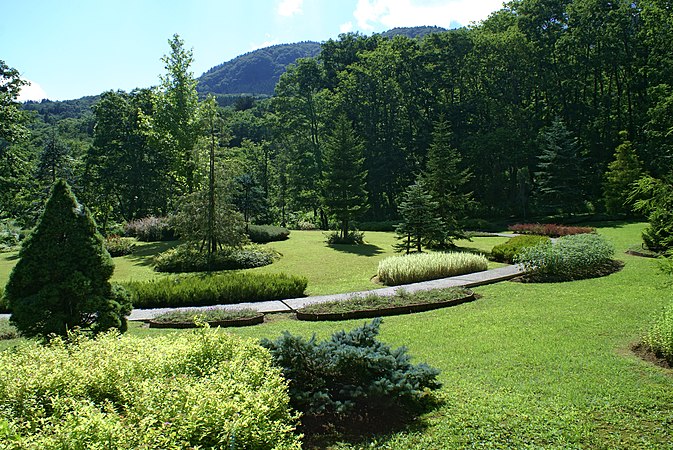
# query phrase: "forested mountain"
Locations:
[[256, 72], [53, 111], [412, 32]]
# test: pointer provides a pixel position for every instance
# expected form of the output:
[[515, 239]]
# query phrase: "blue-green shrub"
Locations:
[[215, 289], [351, 373], [506, 251], [200, 389], [659, 337], [260, 234], [569, 258], [187, 258]]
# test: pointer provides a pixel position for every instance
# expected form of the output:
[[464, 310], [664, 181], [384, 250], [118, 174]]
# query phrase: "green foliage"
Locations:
[[387, 225], [7, 331], [119, 246], [150, 229], [214, 289], [10, 234], [572, 257], [205, 315], [195, 390], [351, 374], [659, 336], [415, 267], [654, 197], [62, 278], [187, 258], [507, 251], [418, 212], [261, 234], [353, 237], [622, 173]]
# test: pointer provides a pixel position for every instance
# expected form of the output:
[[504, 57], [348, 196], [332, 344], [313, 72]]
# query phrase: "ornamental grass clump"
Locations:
[[572, 257], [201, 389], [659, 337], [428, 266]]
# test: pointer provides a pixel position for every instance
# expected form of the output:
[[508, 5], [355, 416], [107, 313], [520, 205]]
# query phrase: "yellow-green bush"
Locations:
[[203, 389], [428, 266]]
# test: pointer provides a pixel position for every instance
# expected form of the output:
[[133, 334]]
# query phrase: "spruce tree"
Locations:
[[445, 182], [419, 220], [344, 191], [622, 173], [62, 278]]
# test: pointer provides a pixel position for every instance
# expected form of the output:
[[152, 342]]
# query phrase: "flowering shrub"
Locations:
[[549, 229]]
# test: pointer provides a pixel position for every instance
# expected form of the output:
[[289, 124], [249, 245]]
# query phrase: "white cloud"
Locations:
[[32, 91], [346, 27], [373, 14], [268, 43], [288, 8]]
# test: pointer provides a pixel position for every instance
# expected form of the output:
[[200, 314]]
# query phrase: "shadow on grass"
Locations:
[[144, 255], [360, 249]]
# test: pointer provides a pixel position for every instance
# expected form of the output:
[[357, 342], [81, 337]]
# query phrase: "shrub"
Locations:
[[569, 258], [396, 270], [659, 337], [353, 237], [7, 331], [549, 229], [150, 229], [388, 225], [260, 234], [215, 289], [4, 306], [10, 234], [205, 315], [351, 373], [119, 246], [505, 252], [187, 258], [198, 389]]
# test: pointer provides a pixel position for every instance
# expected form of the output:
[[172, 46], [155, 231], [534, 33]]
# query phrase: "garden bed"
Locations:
[[375, 306], [193, 318]]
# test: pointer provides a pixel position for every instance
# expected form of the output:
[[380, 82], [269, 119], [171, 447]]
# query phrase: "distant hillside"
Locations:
[[412, 32], [52, 111], [256, 72]]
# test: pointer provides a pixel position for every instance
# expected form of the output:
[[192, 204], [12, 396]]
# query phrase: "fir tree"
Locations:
[[344, 178], [62, 278], [419, 220], [622, 173], [445, 182]]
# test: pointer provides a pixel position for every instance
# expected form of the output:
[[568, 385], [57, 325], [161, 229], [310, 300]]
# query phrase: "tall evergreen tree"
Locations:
[[622, 173], [344, 178], [62, 278], [559, 179], [419, 218], [445, 181]]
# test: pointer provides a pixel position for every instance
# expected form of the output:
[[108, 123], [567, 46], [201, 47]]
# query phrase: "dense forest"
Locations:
[[547, 107]]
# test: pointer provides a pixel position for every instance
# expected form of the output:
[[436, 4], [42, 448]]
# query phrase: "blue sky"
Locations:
[[72, 48]]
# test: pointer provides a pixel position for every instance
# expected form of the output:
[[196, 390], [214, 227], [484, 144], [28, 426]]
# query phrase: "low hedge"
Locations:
[[397, 270], [200, 389], [214, 289], [549, 229], [261, 234], [505, 252], [186, 258]]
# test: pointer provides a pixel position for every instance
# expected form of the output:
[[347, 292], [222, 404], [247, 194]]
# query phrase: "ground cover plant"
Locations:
[[187, 258], [507, 251], [214, 289], [428, 266], [205, 315], [374, 301], [549, 229], [199, 389], [570, 257]]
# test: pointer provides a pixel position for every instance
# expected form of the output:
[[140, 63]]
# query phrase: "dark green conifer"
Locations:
[[419, 219], [62, 278]]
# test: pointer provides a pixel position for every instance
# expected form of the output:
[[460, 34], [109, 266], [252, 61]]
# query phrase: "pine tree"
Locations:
[[559, 179], [419, 220], [445, 182], [622, 173], [344, 191], [62, 278]]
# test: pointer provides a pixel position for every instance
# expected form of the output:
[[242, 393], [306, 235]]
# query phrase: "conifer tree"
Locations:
[[62, 278], [344, 183], [622, 173], [419, 220]]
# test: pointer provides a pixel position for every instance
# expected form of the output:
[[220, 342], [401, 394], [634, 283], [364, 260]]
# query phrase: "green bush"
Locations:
[[659, 337], [150, 229], [351, 373], [119, 246], [4, 306], [187, 258], [199, 389], [10, 234], [354, 237], [214, 289], [388, 225], [569, 258], [505, 252], [415, 267], [259, 234]]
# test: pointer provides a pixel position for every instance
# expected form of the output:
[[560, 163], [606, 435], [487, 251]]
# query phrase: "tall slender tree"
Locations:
[[419, 223], [622, 173]]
